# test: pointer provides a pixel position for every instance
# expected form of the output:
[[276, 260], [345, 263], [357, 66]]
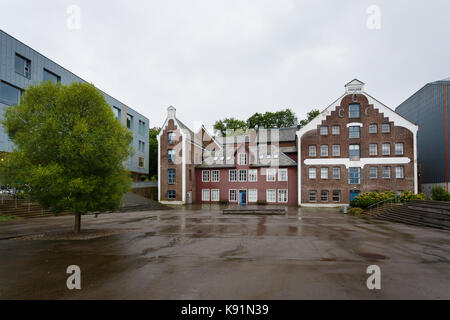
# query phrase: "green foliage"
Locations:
[[272, 120], [440, 194], [69, 149], [230, 124], [356, 212], [367, 199], [153, 156], [310, 116], [8, 218], [408, 196]]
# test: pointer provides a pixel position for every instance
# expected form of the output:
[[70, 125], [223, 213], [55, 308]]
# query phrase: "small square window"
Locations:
[[206, 174], [242, 175], [233, 175], [386, 172], [399, 172], [253, 175], [215, 176], [324, 151], [141, 162], [385, 128], [323, 130], [386, 149], [324, 173], [23, 66], [271, 196], [336, 150], [373, 149], [271, 175], [373, 173], [336, 196], [324, 196], [282, 175], [312, 196], [252, 195], [335, 130], [312, 173], [336, 173], [171, 176], [399, 148], [171, 194], [373, 128], [312, 151]]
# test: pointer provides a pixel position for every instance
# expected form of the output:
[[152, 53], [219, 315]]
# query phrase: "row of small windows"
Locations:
[[354, 174], [354, 150], [272, 195], [245, 175], [355, 131], [324, 196]]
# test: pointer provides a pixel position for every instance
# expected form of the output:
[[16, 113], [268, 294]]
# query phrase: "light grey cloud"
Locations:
[[216, 59]]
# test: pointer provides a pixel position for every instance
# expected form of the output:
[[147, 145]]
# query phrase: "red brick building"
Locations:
[[355, 145]]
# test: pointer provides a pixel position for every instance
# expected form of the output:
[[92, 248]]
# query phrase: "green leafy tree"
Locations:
[[229, 124], [272, 120], [153, 158], [70, 149], [309, 117]]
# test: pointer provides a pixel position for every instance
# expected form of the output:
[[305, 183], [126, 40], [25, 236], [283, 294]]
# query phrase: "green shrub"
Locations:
[[440, 194], [408, 196], [356, 212]]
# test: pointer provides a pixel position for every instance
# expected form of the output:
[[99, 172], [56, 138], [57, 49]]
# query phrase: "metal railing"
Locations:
[[381, 206]]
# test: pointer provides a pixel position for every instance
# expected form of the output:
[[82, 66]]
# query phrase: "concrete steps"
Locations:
[[431, 214]]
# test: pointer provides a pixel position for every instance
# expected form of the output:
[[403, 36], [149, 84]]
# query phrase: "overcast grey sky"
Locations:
[[215, 59]]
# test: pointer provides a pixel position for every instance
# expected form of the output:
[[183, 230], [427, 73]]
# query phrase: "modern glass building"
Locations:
[[429, 109], [21, 66]]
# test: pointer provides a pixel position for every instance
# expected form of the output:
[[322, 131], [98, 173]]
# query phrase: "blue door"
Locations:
[[242, 197], [354, 194]]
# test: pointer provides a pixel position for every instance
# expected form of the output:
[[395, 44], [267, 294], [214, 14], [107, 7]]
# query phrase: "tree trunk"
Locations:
[[77, 227]]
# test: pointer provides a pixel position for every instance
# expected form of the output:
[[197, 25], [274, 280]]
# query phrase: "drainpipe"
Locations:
[[446, 140]]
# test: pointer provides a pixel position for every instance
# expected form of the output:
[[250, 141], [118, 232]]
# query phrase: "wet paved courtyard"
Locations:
[[198, 253]]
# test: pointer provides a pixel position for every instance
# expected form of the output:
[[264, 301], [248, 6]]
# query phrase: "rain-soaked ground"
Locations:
[[198, 253]]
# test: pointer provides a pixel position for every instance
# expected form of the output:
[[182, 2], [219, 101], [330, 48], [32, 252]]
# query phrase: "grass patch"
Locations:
[[7, 218]]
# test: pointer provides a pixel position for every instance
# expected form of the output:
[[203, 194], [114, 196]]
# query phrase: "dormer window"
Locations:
[[242, 159]]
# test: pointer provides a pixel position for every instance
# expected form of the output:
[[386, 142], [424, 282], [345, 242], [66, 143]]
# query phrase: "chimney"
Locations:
[[171, 112]]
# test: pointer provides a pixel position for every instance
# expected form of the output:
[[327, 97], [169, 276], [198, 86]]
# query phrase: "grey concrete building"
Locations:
[[21, 66], [429, 109]]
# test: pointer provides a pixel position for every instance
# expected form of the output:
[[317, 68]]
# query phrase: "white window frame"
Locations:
[[382, 172], [402, 172], [338, 150], [203, 175], [383, 149], [376, 149], [253, 175], [215, 195], [335, 132], [332, 195], [398, 144], [235, 175], [338, 169], [370, 171], [309, 195], [218, 176], [253, 195], [280, 191], [208, 193], [322, 133], [280, 175], [322, 170], [328, 195], [323, 147], [312, 152], [315, 173], [242, 159], [274, 195], [371, 126], [230, 191], [271, 173], [239, 175], [384, 125]]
